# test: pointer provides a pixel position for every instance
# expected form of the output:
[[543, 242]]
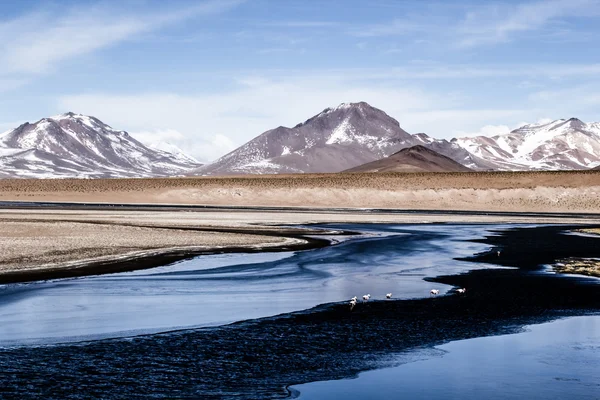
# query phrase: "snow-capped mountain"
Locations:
[[453, 150], [174, 152], [74, 145], [561, 144], [336, 139], [353, 134]]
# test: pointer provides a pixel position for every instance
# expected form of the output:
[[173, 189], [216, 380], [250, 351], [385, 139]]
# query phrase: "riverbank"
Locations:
[[49, 243]]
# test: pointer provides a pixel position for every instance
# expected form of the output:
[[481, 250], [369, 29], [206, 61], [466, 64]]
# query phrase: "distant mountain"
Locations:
[[174, 152], [561, 144], [334, 140], [413, 159], [453, 150], [353, 134], [77, 146]]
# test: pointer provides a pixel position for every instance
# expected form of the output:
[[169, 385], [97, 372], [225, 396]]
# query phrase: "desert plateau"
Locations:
[[541, 191]]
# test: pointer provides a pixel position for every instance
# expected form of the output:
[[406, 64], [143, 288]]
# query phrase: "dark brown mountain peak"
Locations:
[[418, 149], [413, 159]]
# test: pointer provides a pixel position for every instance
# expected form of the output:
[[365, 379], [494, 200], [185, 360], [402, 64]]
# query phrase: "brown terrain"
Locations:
[[572, 191], [38, 243], [413, 159]]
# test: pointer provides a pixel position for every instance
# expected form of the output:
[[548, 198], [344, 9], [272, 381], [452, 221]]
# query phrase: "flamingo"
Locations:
[[366, 297], [354, 299], [434, 292], [388, 296], [461, 291]]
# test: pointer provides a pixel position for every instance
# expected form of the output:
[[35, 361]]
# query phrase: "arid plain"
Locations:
[[81, 240]]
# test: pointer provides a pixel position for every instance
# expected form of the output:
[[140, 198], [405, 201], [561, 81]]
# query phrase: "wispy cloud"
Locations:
[[397, 27], [48, 37], [471, 25], [497, 23], [301, 24]]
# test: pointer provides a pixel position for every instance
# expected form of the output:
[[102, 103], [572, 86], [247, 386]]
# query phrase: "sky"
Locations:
[[210, 75]]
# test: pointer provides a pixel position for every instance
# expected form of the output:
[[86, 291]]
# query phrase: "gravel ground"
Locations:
[[28, 244]]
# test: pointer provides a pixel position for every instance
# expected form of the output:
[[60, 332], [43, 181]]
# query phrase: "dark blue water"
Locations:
[[249, 326], [556, 360]]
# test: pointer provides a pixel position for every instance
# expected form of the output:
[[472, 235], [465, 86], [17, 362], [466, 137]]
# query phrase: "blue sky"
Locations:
[[211, 75]]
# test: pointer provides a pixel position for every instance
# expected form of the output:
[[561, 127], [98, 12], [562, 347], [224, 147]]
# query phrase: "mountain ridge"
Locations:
[[73, 145], [559, 144], [333, 140], [417, 158]]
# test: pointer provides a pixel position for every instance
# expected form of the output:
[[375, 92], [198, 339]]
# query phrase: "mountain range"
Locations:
[[333, 140], [349, 137], [561, 144], [353, 134]]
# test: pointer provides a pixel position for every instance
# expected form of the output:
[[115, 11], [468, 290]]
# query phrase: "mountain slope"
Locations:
[[333, 140], [413, 159], [561, 144], [74, 145]]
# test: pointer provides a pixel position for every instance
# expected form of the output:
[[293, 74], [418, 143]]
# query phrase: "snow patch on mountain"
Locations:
[[333, 140], [343, 133], [548, 145], [79, 146]]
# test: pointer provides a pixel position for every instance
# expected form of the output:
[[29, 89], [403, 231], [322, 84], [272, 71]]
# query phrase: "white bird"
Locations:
[[366, 297], [388, 296], [352, 304], [461, 291], [434, 292], [354, 299]]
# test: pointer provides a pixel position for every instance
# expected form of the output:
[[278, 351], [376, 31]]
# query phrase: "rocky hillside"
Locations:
[[557, 145], [333, 140], [78, 146], [413, 159]]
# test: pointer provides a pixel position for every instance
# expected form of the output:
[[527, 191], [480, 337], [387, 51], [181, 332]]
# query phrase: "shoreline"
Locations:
[[152, 258], [217, 232]]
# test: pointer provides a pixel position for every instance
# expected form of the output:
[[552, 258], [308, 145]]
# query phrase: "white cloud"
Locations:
[[301, 24], [488, 130], [204, 148], [496, 23], [11, 84], [485, 23], [159, 135], [48, 37], [397, 27], [542, 121]]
